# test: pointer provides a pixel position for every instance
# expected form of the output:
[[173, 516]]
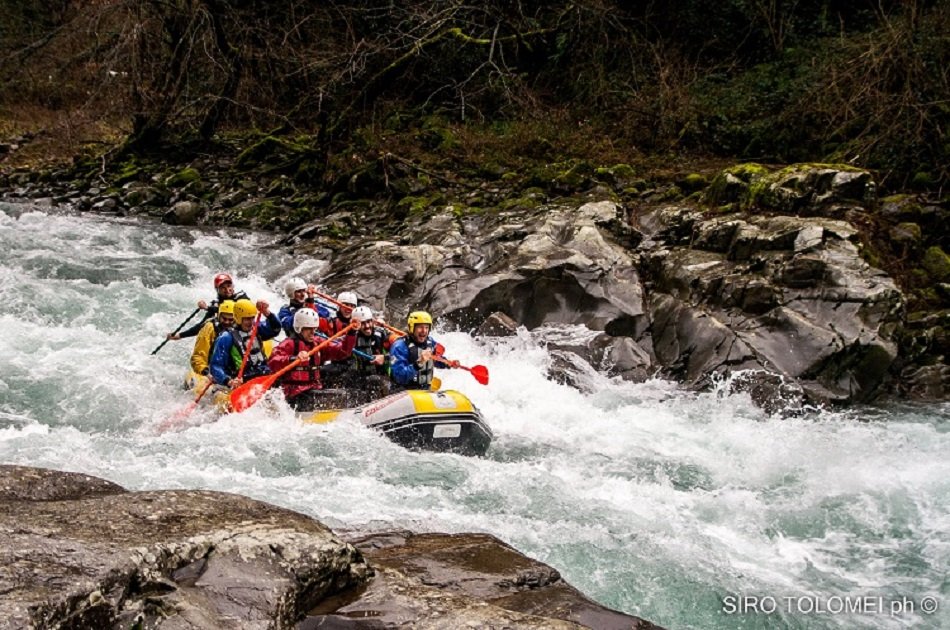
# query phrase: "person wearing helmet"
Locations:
[[300, 295], [334, 374], [302, 385], [367, 376], [412, 356], [229, 348], [210, 332], [224, 287]]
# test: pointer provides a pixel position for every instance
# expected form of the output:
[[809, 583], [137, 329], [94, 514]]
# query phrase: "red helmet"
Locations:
[[221, 278]]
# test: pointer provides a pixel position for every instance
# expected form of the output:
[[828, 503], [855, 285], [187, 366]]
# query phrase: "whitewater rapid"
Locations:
[[664, 503]]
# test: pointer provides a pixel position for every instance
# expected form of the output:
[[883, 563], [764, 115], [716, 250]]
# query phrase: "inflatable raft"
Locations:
[[426, 420], [444, 421]]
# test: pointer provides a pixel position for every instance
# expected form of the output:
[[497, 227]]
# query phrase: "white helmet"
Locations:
[[348, 297], [362, 314], [294, 284], [305, 318]]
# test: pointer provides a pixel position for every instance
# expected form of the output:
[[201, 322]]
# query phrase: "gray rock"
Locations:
[[497, 325], [184, 213]]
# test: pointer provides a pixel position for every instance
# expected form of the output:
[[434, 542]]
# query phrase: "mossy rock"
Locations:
[[183, 177], [520, 203], [937, 264], [733, 184], [414, 206], [693, 182], [616, 175], [128, 172]]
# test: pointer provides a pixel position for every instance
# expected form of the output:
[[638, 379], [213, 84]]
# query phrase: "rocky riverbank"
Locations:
[[81, 552], [801, 284]]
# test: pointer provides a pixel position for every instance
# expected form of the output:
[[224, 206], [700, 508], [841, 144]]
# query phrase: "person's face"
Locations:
[[247, 324], [346, 309], [420, 332], [226, 319], [306, 334], [226, 289], [367, 327], [300, 295]]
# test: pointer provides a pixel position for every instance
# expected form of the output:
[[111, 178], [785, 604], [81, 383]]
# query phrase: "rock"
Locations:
[[497, 325], [78, 552], [465, 581], [783, 295], [183, 213], [105, 205]]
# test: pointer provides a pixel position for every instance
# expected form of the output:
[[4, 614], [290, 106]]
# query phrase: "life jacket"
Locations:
[[335, 325], [424, 372], [372, 344], [256, 361], [308, 371]]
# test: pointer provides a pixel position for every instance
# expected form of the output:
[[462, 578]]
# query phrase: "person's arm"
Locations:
[[194, 330], [219, 359], [269, 327], [402, 371], [338, 350], [286, 317]]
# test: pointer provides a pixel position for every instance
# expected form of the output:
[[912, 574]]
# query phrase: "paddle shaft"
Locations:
[[359, 353], [175, 332], [250, 342]]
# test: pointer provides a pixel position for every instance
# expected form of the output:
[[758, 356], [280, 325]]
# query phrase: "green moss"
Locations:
[[127, 172], [694, 182], [183, 178], [417, 205], [936, 263], [526, 203], [923, 180]]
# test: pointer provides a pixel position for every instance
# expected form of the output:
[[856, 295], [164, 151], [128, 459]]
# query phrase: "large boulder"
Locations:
[[76, 551], [558, 265], [786, 295]]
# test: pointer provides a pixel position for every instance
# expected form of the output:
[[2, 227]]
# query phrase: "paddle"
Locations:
[[175, 332], [250, 342], [480, 372], [359, 353], [244, 396], [183, 413]]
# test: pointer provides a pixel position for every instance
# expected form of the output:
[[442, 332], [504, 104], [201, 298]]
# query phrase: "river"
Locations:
[[692, 510]]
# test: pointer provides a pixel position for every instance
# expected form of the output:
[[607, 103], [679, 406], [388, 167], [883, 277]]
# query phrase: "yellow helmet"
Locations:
[[226, 308], [419, 317], [244, 308]]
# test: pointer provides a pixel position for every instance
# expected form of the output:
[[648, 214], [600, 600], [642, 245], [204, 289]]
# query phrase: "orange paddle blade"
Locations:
[[244, 396]]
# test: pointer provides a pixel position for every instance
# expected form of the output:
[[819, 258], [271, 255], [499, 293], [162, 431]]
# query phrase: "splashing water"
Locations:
[[693, 510]]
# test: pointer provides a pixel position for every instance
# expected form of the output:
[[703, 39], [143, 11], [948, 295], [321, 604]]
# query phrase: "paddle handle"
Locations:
[[250, 342], [175, 332]]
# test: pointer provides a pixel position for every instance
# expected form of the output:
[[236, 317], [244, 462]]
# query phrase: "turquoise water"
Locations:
[[691, 510]]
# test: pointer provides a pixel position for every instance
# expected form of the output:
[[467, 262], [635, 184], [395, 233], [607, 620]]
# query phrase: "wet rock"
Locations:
[[497, 325], [183, 213], [466, 580], [79, 552]]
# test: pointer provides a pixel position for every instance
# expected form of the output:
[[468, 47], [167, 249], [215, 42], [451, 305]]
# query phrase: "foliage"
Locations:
[[809, 80]]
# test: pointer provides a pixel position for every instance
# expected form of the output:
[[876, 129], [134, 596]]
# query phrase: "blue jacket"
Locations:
[[287, 312], [403, 368], [224, 364]]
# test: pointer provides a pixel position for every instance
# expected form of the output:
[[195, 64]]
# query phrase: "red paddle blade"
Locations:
[[250, 392], [480, 372], [178, 418]]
